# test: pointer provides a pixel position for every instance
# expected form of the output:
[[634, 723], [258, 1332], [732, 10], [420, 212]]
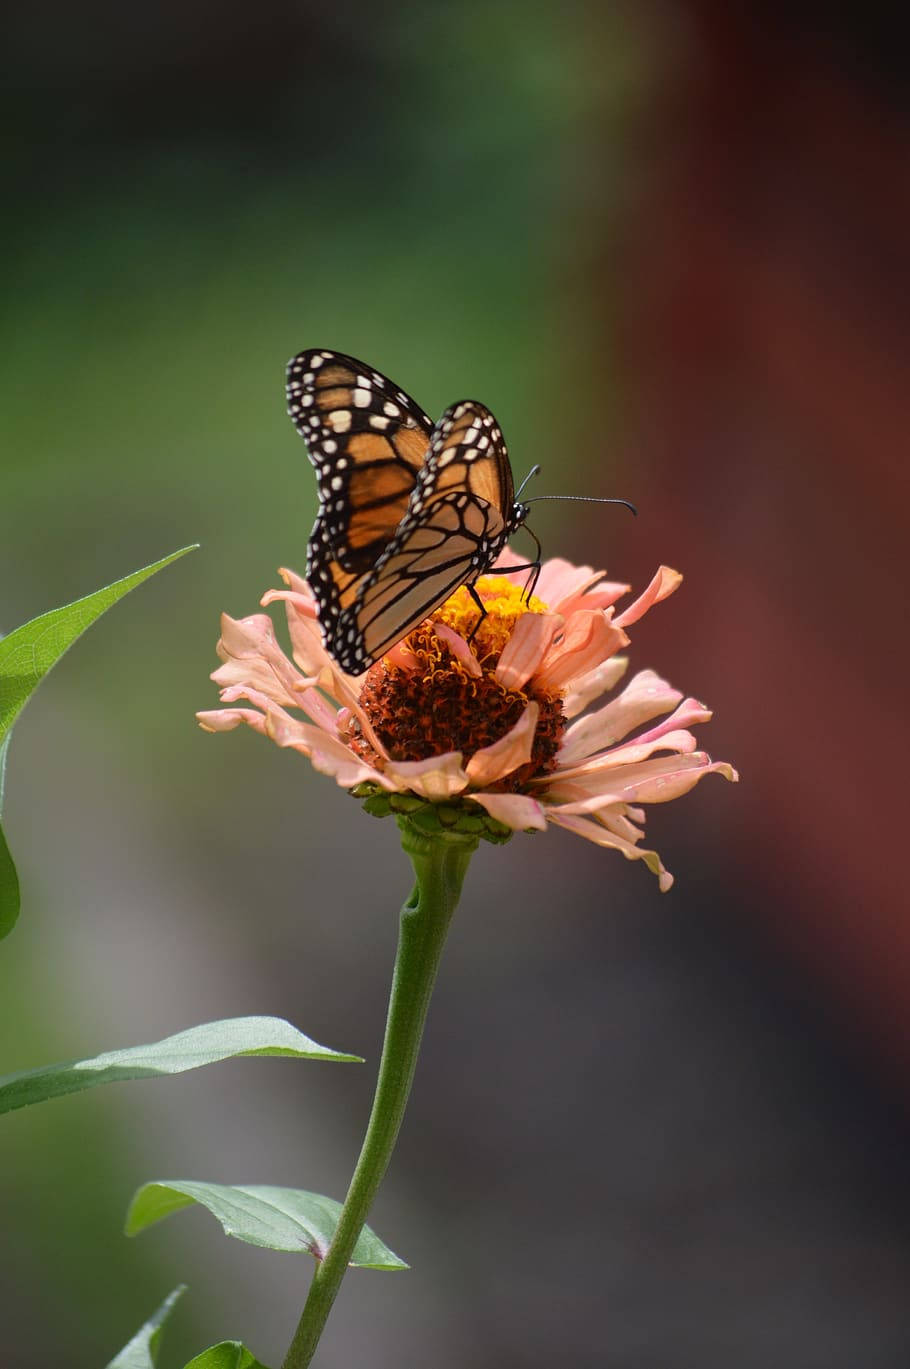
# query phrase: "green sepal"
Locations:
[[455, 817]]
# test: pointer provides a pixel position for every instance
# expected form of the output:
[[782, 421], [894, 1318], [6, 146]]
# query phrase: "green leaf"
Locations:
[[9, 880], [188, 1050], [28, 653], [277, 1218], [227, 1354], [142, 1350]]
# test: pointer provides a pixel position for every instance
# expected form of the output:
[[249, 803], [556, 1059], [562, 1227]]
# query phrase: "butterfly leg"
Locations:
[[472, 590]]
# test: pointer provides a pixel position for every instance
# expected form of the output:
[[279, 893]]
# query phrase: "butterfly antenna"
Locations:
[[535, 470], [583, 499]]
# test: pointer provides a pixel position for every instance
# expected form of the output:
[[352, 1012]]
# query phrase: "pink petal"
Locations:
[[251, 654], [688, 714], [588, 639], [652, 781], [588, 687], [594, 831], [559, 580], [340, 686], [316, 707], [645, 696], [525, 649], [517, 811], [306, 635], [459, 648], [297, 583], [401, 657], [628, 754], [436, 779], [661, 587], [595, 595], [492, 762], [327, 754], [244, 637], [226, 719]]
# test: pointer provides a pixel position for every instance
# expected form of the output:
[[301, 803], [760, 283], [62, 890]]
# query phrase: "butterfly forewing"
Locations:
[[367, 440], [458, 521], [432, 555], [408, 511]]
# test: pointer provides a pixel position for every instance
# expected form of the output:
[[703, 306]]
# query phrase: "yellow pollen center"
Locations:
[[504, 602]]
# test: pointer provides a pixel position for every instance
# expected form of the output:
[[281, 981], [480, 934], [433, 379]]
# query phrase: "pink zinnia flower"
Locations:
[[495, 723]]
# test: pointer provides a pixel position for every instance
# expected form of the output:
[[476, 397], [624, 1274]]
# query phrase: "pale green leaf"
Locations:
[[276, 1218], [187, 1050], [27, 654], [227, 1354], [142, 1350]]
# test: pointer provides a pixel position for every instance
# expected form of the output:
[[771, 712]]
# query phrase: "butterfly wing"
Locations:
[[458, 520], [367, 440]]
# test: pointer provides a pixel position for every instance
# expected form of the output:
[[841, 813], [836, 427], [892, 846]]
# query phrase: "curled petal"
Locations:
[[526, 648], [251, 654], [598, 681], [299, 586], [602, 836], [436, 779], [661, 587], [402, 657], [306, 636], [588, 638], [492, 762], [459, 649], [650, 781], [599, 594], [517, 811], [644, 697], [688, 714], [226, 719]]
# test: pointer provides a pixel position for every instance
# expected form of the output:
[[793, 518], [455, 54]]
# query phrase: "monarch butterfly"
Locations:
[[408, 509]]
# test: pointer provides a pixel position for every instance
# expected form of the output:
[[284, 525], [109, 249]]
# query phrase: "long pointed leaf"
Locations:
[[187, 1050], [142, 1351], [27, 653], [260, 1214]]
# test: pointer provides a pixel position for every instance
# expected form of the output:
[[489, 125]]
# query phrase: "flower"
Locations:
[[481, 722]]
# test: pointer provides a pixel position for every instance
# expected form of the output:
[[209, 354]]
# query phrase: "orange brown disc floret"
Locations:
[[439, 706]]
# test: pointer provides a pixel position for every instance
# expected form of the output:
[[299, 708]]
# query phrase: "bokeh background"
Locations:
[[668, 247]]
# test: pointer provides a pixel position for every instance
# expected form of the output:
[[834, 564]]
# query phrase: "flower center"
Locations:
[[436, 705]]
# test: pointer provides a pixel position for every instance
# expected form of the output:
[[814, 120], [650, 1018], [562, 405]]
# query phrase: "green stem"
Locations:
[[439, 864]]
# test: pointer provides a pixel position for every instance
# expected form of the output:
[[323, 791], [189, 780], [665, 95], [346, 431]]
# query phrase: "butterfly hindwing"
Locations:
[[367, 440]]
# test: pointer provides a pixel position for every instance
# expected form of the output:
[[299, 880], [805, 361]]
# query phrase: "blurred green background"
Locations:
[[699, 1161]]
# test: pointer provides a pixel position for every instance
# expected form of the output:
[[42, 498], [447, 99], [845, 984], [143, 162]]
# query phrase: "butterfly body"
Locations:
[[409, 510]]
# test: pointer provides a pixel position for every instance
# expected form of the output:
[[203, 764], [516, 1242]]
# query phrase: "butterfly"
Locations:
[[409, 509]]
